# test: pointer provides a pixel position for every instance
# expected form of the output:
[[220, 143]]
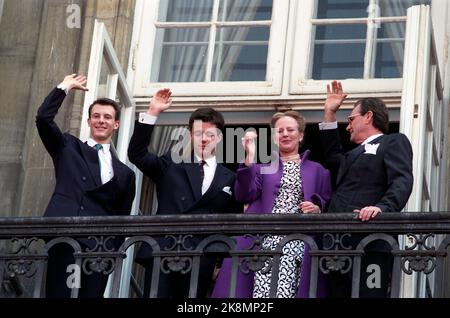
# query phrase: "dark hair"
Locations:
[[208, 115], [106, 102], [299, 118], [379, 111]]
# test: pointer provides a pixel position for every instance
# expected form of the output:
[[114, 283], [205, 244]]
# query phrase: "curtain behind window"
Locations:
[[181, 53], [392, 8]]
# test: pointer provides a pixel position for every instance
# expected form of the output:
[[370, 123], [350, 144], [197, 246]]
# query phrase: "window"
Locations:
[[238, 52], [351, 40], [227, 46], [254, 47]]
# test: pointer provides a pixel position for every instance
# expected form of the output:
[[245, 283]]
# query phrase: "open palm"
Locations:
[[74, 81], [249, 144], [160, 101], [335, 96]]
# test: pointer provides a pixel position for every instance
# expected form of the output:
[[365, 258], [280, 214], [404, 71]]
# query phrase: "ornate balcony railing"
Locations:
[[25, 243]]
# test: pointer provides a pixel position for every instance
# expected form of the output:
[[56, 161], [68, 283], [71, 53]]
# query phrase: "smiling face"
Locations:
[[102, 122], [287, 136], [205, 137]]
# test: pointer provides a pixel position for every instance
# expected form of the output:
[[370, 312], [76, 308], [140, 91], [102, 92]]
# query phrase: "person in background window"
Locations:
[[90, 181], [298, 185], [373, 178], [197, 184]]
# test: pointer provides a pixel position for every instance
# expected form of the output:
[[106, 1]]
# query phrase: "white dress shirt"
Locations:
[[369, 139], [63, 87], [104, 156], [334, 125], [329, 125], [145, 118], [209, 169]]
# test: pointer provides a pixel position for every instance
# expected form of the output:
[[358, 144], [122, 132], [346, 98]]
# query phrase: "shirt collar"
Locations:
[[210, 162], [369, 139], [91, 142]]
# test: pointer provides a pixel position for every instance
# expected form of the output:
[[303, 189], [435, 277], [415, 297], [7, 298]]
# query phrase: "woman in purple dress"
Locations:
[[296, 185]]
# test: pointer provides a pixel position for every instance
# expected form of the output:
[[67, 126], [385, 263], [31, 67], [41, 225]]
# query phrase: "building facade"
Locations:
[[247, 58]]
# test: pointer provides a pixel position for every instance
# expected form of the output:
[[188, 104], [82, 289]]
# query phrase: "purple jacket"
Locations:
[[259, 191]]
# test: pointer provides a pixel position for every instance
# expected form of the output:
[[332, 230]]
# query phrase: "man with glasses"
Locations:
[[196, 184], [373, 178]]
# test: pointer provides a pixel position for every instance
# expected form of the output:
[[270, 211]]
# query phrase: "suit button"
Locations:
[[82, 208], [83, 178], [183, 198]]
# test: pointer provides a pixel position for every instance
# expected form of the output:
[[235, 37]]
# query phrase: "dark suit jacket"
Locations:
[[178, 185], [79, 190], [363, 179]]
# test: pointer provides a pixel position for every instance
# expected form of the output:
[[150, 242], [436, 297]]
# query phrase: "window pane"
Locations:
[[331, 9], [390, 50], [182, 57], [392, 8], [338, 61], [345, 31], [245, 10], [241, 54], [339, 51], [185, 10]]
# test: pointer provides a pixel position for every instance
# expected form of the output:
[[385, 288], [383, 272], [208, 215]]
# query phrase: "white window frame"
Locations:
[[300, 81], [146, 16], [422, 121], [103, 50], [1, 9]]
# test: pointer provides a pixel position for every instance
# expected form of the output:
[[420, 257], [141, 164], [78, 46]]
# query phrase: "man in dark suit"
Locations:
[[197, 184], [90, 180], [373, 178]]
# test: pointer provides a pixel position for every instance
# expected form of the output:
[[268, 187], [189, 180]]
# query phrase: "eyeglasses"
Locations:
[[350, 118]]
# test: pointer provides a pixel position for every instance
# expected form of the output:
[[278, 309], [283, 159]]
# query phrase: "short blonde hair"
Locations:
[[299, 118]]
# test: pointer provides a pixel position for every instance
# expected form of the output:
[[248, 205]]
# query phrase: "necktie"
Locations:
[[202, 169], [98, 147]]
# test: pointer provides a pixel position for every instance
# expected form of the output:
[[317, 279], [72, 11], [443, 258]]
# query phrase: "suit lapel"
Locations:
[[117, 168], [377, 140], [193, 174], [91, 157], [350, 158], [217, 183], [216, 186], [347, 161]]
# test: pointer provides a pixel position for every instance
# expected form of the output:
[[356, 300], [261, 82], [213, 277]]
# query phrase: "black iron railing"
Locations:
[[25, 243]]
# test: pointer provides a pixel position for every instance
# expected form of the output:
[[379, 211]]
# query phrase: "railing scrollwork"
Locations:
[[100, 244]]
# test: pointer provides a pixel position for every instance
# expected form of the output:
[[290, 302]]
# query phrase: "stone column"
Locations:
[[57, 55], [19, 35]]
